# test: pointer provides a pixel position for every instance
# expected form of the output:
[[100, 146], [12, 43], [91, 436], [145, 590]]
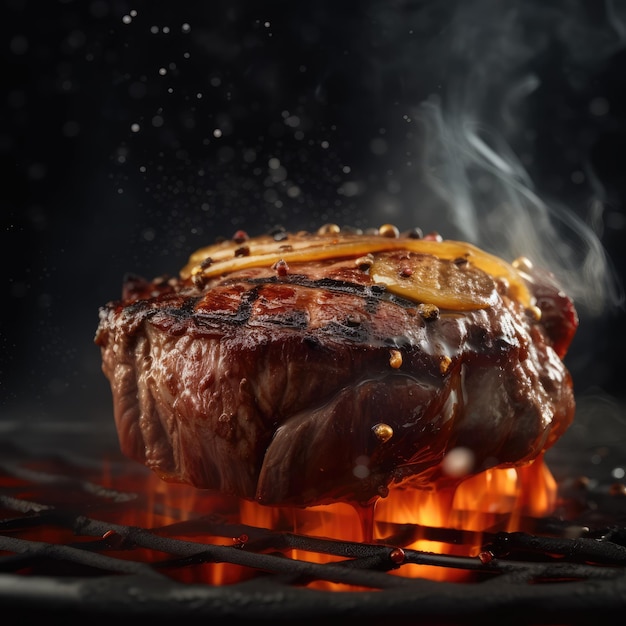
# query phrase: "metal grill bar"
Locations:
[[547, 575], [374, 558]]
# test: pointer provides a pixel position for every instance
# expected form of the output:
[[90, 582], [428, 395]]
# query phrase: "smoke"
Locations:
[[492, 54], [417, 112], [490, 200], [421, 113]]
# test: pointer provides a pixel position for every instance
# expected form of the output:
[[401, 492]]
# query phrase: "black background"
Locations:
[[315, 104]]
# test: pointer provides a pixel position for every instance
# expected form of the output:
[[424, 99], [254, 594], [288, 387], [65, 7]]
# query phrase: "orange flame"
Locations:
[[494, 500]]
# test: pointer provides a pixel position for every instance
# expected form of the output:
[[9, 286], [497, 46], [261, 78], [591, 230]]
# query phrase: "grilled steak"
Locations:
[[302, 369]]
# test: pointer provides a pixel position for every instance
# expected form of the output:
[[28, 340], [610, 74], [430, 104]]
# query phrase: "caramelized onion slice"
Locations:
[[425, 278], [227, 257]]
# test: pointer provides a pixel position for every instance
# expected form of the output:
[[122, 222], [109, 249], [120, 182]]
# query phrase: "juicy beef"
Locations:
[[305, 375]]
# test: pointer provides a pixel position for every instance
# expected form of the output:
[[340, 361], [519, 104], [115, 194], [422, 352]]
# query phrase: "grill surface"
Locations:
[[63, 553]]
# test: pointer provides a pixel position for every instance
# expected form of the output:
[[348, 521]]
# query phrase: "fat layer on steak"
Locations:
[[319, 384]]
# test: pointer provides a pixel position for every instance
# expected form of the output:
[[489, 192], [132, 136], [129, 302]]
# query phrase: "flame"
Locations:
[[495, 500]]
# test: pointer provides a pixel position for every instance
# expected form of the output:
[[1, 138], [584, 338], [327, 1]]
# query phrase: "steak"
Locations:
[[306, 368]]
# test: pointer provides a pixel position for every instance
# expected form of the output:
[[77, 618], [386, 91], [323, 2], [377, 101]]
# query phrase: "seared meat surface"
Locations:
[[306, 375]]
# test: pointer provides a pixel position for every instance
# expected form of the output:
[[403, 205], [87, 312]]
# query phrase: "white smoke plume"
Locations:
[[478, 181]]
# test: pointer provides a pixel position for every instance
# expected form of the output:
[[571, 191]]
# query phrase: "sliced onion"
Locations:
[[429, 279], [228, 257]]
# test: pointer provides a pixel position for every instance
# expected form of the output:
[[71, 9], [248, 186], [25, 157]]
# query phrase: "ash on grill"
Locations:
[[62, 550]]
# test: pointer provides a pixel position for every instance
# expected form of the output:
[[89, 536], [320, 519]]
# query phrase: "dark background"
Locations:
[[316, 106]]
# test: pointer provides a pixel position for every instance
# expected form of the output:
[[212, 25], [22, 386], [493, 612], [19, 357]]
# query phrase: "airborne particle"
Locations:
[[458, 462]]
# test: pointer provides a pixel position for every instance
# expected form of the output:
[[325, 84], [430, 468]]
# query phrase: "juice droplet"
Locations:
[[382, 432], [366, 517], [485, 557], [397, 556], [113, 539]]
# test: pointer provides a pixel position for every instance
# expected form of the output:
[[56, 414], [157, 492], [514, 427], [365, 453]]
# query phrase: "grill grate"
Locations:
[[60, 551]]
